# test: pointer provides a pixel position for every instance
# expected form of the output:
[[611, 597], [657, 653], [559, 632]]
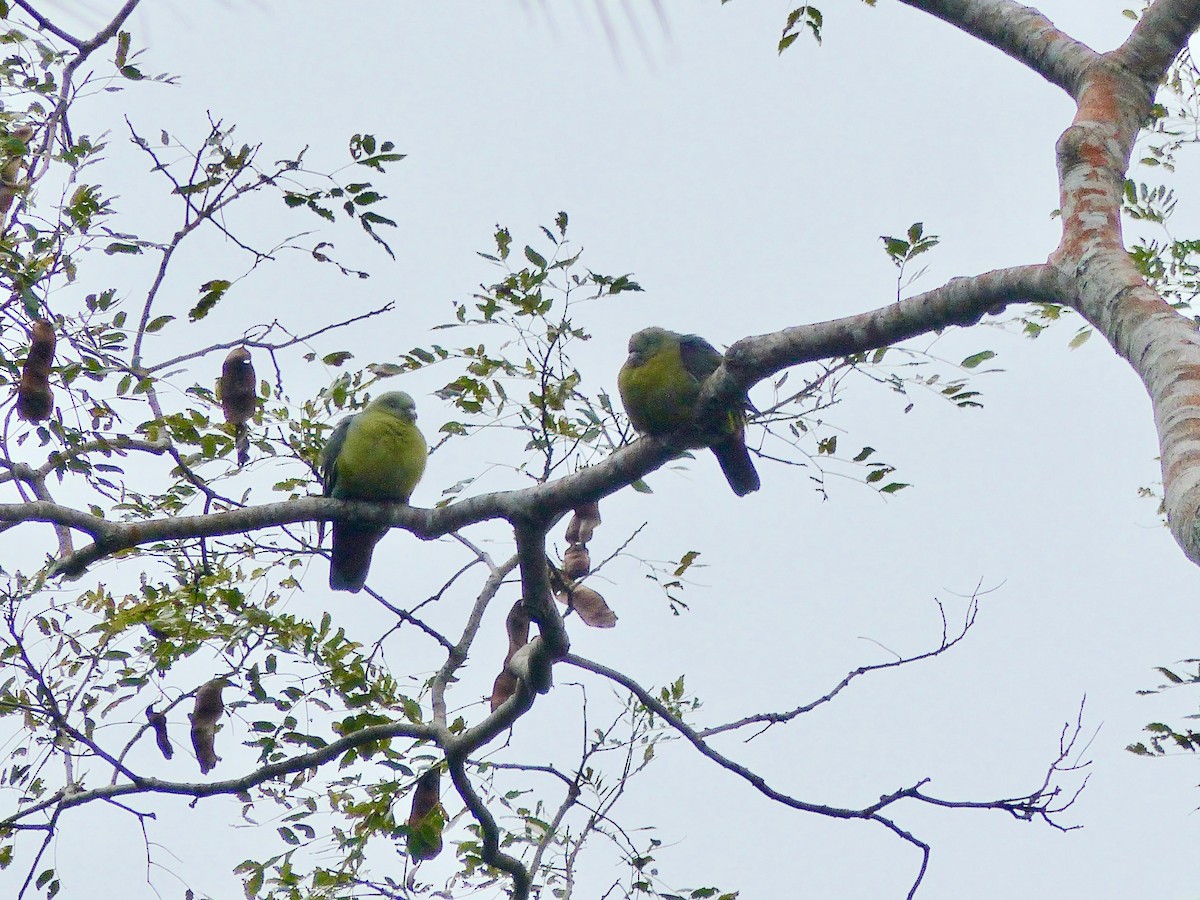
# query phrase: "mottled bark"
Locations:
[[1159, 343], [1159, 36], [1114, 94], [1019, 31]]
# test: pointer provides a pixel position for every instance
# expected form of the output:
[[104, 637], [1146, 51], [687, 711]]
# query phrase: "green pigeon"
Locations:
[[660, 385], [377, 454]]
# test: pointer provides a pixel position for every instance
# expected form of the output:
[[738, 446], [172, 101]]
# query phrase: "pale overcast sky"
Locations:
[[746, 191]]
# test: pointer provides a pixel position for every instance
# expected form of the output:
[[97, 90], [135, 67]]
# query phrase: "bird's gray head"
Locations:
[[645, 343], [396, 403]]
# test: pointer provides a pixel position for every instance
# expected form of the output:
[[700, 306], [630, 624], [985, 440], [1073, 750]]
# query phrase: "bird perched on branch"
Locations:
[[377, 454], [660, 386]]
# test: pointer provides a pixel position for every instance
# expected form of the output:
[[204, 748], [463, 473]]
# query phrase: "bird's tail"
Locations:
[[735, 462], [350, 557]]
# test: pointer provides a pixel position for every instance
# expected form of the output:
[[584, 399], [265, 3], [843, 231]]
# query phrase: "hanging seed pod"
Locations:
[[427, 818], [577, 562], [158, 722], [517, 626], [591, 607], [35, 399], [208, 709], [583, 523], [238, 393], [503, 687], [10, 172]]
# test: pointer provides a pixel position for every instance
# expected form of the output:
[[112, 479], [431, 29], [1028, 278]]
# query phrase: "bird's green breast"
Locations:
[[659, 394], [382, 458]]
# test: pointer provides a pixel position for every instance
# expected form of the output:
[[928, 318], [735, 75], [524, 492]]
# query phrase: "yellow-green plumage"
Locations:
[[377, 454], [660, 385]]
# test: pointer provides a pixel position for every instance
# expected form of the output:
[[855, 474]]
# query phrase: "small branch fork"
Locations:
[[1044, 802], [775, 718], [57, 120]]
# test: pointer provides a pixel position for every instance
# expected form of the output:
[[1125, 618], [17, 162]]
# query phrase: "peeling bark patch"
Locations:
[[1099, 101], [1191, 373], [1181, 464], [1089, 198], [1093, 155]]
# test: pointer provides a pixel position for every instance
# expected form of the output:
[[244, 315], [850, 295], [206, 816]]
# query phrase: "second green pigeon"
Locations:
[[377, 454], [660, 386]]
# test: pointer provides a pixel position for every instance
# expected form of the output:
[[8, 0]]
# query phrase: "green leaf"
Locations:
[[623, 283], [122, 247], [30, 301], [974, 360], [158, 324], [685, 562], [503, 240], [198, 187], [122, 53], [254, 883], [534, 257], [211, 293]]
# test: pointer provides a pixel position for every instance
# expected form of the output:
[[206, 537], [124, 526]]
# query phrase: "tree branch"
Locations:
[[961, 301], [1158, 38], [774, 718], [457, 655], [693, 737], [1020, 32], [47, 25], [75, 795], [1160, 344], [1038, 803], [491, 852]]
